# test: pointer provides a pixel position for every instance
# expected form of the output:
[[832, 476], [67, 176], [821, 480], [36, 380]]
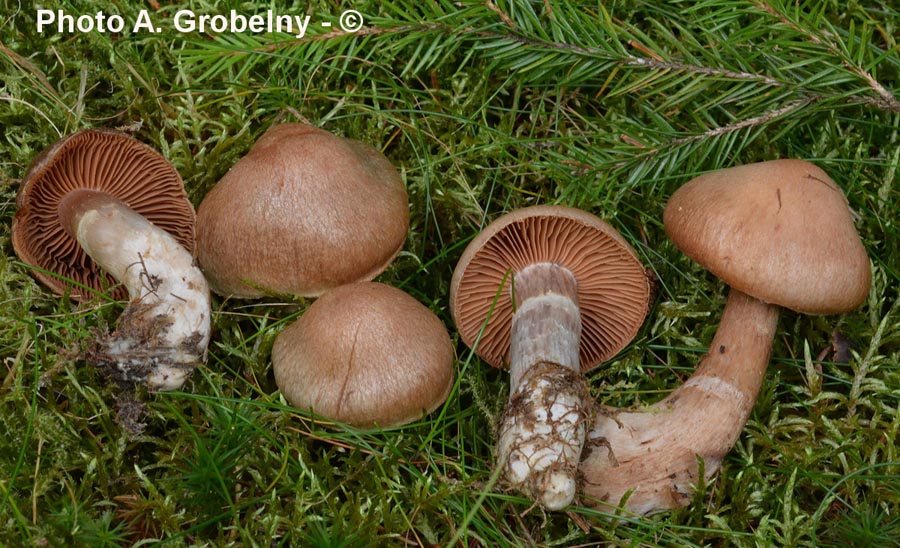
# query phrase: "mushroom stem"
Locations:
[[653, 453], [543, 427], [163, 333]]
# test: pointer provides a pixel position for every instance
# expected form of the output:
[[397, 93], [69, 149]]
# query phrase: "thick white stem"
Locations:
[[164, 332], [652, 454], [543, 428]]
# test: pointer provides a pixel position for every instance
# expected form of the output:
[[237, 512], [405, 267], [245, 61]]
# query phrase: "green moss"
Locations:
[[484, 107]]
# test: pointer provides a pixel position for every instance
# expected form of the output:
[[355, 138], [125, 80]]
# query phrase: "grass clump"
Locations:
[[484, 107]]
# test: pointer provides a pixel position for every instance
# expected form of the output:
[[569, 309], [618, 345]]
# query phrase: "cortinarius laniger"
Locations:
[[302, 212], [366, 354], [99, 203], [560, 291], [780, 233]]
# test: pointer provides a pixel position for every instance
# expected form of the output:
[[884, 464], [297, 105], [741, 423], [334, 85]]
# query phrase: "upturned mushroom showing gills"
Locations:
[[100, 207], [366, 354], [304, 211], [556, 291], [780, 233]]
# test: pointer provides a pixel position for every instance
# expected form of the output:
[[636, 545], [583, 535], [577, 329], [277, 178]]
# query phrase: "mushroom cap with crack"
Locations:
[[105, 161], [366, 354], [780, 231], [613, 288], [302, 212]]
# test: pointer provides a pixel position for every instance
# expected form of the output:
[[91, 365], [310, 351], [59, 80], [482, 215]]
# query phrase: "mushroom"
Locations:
[[780, 233], [366, 354], [304, 211], [100, 206], [551, 292]]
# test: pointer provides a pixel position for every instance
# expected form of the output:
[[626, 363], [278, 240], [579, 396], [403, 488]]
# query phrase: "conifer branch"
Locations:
[[755, 121], [685, 88], [885, 100], [655, 64]]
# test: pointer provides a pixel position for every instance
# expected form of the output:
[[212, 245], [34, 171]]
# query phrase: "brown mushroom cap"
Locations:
[[367, 354], [613, 289], [106, 161], [302, 212], [780, 231]]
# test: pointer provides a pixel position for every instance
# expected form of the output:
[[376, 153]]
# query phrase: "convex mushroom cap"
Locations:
[[366, 354], [613, 291], [302, 212], [108, 162], [780, 231]]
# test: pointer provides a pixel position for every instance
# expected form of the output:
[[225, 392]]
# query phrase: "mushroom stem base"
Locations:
[[543, 432], [651, 455]]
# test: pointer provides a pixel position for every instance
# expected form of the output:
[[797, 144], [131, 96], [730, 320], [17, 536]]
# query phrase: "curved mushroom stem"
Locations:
[[653, 453], [543, 427], [163, 333]]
